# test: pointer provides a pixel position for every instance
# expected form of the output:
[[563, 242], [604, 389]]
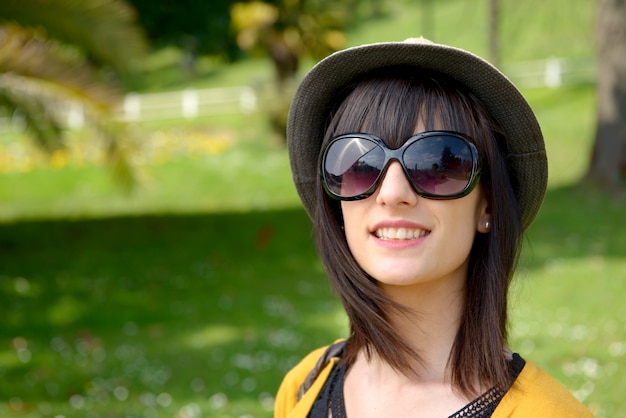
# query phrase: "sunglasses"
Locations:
[[438, 164]]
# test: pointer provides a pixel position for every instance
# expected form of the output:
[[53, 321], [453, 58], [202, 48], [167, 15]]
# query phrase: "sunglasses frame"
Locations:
[[397, 154]]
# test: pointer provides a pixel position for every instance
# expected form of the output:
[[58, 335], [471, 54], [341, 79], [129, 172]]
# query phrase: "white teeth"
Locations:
[[400, 233]]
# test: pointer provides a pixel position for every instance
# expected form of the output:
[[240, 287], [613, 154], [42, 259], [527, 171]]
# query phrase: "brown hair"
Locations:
[[388, 104]]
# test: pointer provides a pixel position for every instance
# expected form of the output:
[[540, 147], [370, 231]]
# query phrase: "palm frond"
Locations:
[[39, 83], [46, 129], [104, 30], [36, 66]]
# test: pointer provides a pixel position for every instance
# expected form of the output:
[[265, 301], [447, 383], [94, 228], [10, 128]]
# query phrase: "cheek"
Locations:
[[477, 206], [462, 217], [353, 226], [353, 236], [349, 211]]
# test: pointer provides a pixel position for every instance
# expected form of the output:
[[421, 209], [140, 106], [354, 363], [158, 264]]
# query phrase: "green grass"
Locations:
[[567, 117], [163, 73], [147, 316], [528, 30], [179, 169], [568, 305]]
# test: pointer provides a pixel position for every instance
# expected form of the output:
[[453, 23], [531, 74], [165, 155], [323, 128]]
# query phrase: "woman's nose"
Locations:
[[394, 188]]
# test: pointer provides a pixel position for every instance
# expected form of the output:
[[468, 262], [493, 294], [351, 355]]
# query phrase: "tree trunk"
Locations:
[[493, 32], [284, 58], [428, 19], [607, 168]]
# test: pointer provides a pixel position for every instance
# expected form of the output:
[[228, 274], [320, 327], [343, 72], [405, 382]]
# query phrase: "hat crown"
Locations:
[[419, 40]]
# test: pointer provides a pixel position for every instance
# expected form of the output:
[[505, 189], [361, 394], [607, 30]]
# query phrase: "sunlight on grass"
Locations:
[[179, 314], [330, 316], [567, 318], [177, 171], [211, 336], [65, 311], [568, 297], [528, 30], [153, 148], [11, 358], [163, 73], [568, 145]]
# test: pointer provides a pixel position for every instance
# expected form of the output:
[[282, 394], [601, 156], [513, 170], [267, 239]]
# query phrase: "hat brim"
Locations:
[[318, 92]]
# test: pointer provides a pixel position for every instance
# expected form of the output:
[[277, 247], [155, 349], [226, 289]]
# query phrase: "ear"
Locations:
[[483, 216]]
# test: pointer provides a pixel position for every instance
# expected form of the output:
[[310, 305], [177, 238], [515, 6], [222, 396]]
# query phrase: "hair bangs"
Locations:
[[402, 101]]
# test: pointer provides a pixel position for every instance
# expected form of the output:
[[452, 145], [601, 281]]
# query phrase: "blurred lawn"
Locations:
[[176, 315]]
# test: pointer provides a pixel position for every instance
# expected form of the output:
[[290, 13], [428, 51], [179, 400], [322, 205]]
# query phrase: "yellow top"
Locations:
[[533, 394]]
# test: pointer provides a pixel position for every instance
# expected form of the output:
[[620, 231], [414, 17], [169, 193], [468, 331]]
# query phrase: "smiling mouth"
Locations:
[[400, 233]]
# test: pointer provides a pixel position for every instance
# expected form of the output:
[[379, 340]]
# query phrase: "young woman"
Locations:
[[421, 166]]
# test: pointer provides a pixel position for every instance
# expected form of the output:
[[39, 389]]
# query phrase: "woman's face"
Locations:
[[402, 239]]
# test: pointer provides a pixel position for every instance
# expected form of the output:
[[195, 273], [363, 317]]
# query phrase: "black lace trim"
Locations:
[[331, 398], [483, 406]]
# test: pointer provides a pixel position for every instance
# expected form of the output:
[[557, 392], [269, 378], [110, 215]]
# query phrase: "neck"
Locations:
[[430, 324]]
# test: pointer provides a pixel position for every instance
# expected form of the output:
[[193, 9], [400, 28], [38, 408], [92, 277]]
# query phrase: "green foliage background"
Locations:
[[193, 295]]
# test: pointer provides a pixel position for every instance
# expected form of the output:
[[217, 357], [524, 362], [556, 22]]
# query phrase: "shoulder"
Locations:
[[535, 393], [295, 377], [287, 396]]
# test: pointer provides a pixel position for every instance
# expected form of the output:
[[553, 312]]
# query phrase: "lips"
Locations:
[[400, 234]]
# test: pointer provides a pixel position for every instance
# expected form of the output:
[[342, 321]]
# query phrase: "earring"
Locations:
[[487, 224]]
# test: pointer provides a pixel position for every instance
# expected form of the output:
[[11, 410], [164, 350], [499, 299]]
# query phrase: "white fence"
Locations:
[[190, 104], [553, 72]]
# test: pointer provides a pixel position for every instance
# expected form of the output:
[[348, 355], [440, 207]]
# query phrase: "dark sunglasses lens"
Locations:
[[351, 166], [440, 165]]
